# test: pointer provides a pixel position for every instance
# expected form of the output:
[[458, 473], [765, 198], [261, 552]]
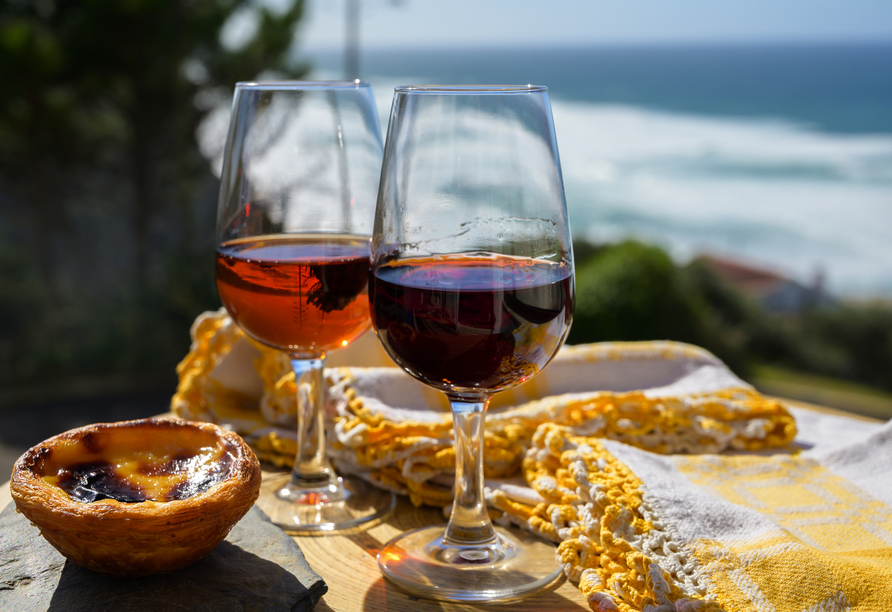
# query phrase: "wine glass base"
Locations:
[[347, 504], [518, 565]]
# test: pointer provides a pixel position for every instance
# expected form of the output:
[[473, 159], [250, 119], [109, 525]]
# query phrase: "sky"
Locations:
[[480, 23]]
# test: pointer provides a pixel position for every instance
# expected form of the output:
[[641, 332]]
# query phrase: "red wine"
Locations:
[[300, 294], [472, 322]]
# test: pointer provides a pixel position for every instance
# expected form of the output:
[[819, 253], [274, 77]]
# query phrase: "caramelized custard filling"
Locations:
[[130, 468]]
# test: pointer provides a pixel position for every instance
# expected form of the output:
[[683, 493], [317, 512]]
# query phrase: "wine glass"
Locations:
[[471, 292], [300, 173]]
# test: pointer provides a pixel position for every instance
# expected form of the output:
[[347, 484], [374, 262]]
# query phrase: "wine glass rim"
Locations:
[[297, 85], [470, 89]]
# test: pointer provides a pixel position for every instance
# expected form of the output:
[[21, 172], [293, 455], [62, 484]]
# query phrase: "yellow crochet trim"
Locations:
[[213, 338], [405, 455], [595, 504], [737, 418], [730, 418]]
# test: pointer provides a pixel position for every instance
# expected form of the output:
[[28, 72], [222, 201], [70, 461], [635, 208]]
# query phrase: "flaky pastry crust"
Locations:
[[142, 538]]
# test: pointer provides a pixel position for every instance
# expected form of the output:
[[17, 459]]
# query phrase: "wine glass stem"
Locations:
[[469, 524], [311, 466]]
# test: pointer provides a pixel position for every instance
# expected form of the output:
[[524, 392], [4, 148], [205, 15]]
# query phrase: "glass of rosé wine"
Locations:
[[471, 292], [300, 173]]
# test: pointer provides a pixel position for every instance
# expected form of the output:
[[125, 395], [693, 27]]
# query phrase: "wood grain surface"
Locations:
[[348, 564]]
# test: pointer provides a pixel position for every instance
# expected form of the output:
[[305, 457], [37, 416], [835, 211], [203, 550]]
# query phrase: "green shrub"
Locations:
[[632, 291]]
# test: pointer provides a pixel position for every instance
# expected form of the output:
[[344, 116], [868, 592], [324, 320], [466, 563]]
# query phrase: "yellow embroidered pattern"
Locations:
[[830, 536]]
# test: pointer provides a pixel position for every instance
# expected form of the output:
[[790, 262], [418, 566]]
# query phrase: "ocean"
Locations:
[[777, 155]]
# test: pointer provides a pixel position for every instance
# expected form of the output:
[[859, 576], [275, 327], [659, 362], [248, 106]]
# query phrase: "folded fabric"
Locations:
[[613, 453], [392, 430], [640, 531], [397, 433]]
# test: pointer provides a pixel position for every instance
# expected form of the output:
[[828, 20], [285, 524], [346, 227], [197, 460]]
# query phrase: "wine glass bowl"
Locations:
[[300, 174], [471, 292]]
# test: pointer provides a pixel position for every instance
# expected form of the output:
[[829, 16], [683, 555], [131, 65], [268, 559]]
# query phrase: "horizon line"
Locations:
[[558, 46]]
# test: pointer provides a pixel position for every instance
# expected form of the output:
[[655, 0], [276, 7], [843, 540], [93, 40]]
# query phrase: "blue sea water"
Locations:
[[780, 155]]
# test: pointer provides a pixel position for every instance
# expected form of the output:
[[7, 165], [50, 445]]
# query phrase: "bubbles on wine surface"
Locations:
[[476, 272]]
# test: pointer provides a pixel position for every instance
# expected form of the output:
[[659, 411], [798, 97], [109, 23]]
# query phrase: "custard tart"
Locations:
[[136, 498]]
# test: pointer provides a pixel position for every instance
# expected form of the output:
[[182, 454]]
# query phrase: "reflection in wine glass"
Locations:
[[299, 177], [471, 292]]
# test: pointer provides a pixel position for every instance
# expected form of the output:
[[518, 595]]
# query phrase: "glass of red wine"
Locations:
[[300, 173], [471, 293]]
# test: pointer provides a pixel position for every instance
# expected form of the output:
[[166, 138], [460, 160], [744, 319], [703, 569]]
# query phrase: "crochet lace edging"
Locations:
[[612, 542]]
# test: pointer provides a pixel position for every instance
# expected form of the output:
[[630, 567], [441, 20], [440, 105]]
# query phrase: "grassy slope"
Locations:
[[823, 391]]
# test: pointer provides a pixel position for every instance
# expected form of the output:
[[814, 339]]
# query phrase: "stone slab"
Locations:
[[257, 568]]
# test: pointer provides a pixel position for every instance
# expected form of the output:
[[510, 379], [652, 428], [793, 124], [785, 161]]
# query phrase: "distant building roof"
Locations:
[[774, 291], [751, 280]]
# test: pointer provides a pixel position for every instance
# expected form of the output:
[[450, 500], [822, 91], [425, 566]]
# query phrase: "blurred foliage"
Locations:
[[853, 342], [632, 291], [107, 206]]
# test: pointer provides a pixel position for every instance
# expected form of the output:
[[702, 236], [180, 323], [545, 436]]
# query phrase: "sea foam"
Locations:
[[780, 195]]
